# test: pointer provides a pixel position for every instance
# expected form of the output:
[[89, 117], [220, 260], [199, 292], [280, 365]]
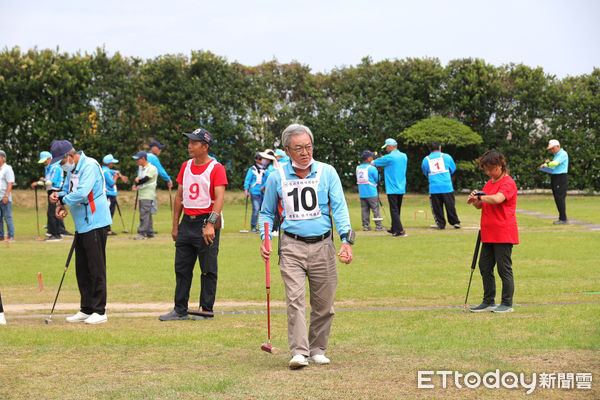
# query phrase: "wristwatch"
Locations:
[[350, 237], [212, 217]]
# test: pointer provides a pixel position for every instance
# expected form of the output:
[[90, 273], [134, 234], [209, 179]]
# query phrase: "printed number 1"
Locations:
[[302, 198], [437, 166], [194, 191]]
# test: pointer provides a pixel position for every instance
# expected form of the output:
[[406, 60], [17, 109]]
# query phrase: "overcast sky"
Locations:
[[563, 37]]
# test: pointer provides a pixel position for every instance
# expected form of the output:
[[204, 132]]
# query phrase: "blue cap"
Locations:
[[156, 143], [200, 135], [389, 142], [140, 154], [59, 149], [44, 155], [366, 154], [108, 159], [280, 153]]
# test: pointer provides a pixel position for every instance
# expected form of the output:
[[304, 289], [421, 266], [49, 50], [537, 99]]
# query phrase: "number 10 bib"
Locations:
[[300, 196]]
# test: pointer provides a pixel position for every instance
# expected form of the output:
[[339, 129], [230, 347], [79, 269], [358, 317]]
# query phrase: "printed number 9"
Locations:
[[194, 191]]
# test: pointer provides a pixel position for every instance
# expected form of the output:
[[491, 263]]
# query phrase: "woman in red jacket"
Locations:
[[498, 231]]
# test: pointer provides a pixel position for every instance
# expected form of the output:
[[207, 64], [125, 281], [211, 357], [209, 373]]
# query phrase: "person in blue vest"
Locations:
[[394, 164], [51, 182], [84, 192], [253, 187], [153, 154], [438, 167], [367, 178], [313, 199], [111, 177], [558, 169]]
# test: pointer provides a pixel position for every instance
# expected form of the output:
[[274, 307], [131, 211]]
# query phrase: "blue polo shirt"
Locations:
[[251, 178], [153, 159], [367, 190], [87, 200], [439, 182], [394, 164], [330, 193], [111, 185], [54, 174], [562, 158]]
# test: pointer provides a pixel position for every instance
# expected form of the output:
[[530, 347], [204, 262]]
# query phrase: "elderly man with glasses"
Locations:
[[312, 199]]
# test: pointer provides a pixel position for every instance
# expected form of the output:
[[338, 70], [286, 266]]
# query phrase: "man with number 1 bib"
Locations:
[[312, 198], [200, 195], [438, 167]]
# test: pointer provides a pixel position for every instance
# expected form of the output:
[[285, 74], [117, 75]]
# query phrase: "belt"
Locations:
[[309, 239], [193, 217]]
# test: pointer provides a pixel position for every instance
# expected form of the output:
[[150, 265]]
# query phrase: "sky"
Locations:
[[561, 36]]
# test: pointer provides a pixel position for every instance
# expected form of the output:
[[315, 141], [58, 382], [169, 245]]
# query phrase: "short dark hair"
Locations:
[[434, 145], [492, 158]]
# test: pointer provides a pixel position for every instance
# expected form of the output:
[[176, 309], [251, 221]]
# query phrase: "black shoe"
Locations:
[[110, 233], [400, 234], [366, 228], [560, 222], [154, 232], [390, 231], [173, 316], [66, 233]]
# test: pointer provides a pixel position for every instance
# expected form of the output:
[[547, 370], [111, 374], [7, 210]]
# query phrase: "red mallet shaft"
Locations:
[[267, 347], [40, 281]]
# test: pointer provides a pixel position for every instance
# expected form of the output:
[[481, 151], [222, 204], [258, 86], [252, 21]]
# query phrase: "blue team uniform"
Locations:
[[153, 159], [111, 184], [54, 174], [394, 164], [330, 194], [440, 180], [562, 158], [87, 200], [367, 190]]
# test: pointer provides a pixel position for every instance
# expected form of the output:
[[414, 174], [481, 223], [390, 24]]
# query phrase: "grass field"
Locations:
[[399, 311]]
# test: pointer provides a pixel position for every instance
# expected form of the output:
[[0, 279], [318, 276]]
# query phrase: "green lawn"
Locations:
[[375, 354]]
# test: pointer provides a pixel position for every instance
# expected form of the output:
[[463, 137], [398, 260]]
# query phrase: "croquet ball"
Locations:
[[343, 259], [62, 213]]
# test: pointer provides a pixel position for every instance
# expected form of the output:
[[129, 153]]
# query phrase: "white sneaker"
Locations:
[[298, 361], [79, 317], [2, 319], [96, 318], [319, 359], [274, 233]]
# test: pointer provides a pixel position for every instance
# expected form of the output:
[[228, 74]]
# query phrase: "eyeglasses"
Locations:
[[300, 149]]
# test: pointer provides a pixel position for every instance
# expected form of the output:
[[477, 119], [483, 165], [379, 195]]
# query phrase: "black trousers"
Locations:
[[498, 254], [112, 204], [1, 308], [559, 183], [54, 225], [190, 246], [438, 201], [90, 264], [395, 201]]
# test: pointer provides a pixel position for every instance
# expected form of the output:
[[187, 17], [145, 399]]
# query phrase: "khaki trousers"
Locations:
[[317, 261]]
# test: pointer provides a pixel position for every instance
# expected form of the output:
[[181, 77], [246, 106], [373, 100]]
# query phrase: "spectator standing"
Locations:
[[145, 184], [7, 180]]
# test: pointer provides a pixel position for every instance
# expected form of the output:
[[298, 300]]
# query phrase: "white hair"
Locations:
[[295, 129]]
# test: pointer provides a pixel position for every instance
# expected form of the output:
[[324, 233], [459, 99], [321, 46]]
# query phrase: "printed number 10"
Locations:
[[307, 191]]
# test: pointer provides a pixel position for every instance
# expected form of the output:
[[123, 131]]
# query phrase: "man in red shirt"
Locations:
[[200, 195]]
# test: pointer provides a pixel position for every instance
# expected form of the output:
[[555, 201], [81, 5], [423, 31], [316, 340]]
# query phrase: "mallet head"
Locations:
[[269, 349], [48, 320]]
